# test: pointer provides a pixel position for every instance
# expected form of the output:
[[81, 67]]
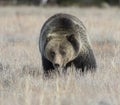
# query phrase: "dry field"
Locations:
[[21, 81]]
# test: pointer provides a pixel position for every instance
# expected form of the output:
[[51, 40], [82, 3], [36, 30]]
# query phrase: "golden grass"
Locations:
[[21, 81]]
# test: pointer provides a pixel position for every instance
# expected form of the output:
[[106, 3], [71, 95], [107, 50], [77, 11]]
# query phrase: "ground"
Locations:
[[21, 81]]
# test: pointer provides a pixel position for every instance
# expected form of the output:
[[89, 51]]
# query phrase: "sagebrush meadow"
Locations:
[[21, 79]]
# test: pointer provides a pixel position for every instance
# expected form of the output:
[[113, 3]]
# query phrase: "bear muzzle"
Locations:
[[58, 63]]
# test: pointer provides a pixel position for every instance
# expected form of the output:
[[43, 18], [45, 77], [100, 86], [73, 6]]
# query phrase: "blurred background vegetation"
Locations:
[[61, 2]]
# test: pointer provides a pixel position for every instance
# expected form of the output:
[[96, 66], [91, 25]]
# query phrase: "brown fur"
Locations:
[[63, 42]]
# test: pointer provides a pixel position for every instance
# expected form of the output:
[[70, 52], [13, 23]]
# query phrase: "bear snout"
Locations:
[[57, 62], [56, 65]]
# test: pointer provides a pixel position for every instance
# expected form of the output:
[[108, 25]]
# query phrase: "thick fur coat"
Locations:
[[64, 32]]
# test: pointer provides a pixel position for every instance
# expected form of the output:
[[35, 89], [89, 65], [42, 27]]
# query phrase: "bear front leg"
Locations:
[[47, 66], [86, 62]]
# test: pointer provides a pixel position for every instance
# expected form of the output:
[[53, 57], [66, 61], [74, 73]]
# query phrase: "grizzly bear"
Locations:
[[63, 42]]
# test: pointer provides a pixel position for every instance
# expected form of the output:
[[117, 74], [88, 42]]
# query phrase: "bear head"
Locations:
[[61, 49]]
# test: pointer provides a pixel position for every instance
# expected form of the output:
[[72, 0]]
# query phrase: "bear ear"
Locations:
[[70, 37], [48, 39]]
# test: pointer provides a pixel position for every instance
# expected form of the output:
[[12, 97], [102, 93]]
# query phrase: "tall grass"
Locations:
[[21, 80]]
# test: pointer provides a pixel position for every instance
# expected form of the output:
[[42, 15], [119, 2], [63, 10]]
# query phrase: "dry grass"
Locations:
[[21, 80]]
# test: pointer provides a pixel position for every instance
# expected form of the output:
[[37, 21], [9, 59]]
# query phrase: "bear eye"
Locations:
[[63, 53], [52, 53]]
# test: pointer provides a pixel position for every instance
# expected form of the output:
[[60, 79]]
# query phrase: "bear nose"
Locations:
[[57, 65]]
